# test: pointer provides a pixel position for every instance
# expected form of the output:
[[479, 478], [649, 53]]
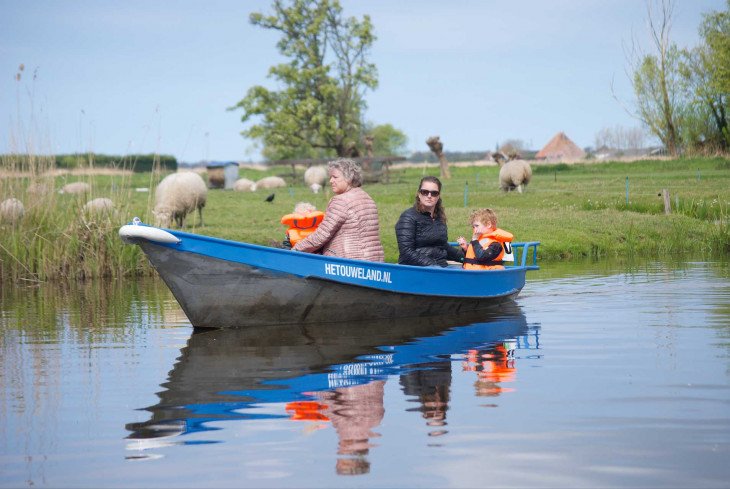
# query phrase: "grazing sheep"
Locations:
[[315, 174], [244, 185], [271, 182], [100, 206], [515, 174], [177, 195], [315, 188], [75, 188], [11, 210]]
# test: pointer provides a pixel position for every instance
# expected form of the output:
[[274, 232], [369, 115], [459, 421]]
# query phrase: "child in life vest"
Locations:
[[302, 222], [488, 245]]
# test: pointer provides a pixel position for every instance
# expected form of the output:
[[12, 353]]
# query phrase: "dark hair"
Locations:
[[439, 212]]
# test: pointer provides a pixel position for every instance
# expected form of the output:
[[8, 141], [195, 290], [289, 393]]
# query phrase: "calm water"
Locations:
[[598, 376]]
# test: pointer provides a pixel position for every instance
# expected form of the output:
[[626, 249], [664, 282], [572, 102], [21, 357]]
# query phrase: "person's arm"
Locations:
[[454, 254], [286, 244], [405, 233], [489, 253], [334, 218]]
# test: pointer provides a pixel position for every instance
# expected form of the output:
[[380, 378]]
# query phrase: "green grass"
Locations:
[[576, 211]]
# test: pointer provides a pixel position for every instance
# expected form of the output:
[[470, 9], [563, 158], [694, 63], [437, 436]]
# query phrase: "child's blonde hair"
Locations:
[[304, 208], [485, 216]]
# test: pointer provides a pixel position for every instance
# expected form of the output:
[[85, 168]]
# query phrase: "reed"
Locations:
[[56, 238]]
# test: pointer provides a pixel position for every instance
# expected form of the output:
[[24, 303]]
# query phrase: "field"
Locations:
[[596, 210]]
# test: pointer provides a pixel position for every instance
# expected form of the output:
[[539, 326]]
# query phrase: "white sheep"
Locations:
[[315, 174], [177, 195], [75, 188], [99, 206], [515, 174], [271, 182], [244, 185], [315, 187], [11, 210]]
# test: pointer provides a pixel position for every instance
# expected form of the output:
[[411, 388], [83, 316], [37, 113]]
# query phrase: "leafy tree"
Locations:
[[715, 30], [709, 72], [704, 120], [318, 109], [388, 141]]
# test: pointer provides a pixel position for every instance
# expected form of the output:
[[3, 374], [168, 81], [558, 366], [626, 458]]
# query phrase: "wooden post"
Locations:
[[667, 201]]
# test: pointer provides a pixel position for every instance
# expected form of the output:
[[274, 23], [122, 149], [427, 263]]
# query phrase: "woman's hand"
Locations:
[[462, 242]]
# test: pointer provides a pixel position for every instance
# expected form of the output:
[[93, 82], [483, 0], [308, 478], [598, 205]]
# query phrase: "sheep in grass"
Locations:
[[271, 182], [102, 205], [11, 210], [244, 185], [177, 195], [315, 174], [315, 188], [515, 174], [75, 188]]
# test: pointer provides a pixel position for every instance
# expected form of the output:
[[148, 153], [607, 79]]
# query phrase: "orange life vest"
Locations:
[[306, 411], [499, 235], [301, 225]]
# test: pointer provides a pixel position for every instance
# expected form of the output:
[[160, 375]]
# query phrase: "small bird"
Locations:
[[270, 198]]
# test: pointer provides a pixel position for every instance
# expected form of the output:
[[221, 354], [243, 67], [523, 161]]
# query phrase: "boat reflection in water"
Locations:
[[329, 374]]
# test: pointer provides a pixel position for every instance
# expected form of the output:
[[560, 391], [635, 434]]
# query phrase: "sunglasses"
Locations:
[[433, 193]]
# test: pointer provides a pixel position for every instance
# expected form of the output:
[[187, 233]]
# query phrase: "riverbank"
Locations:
[[578, 211]]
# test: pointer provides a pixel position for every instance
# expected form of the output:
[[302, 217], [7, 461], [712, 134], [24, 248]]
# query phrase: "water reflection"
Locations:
[[327, 375]]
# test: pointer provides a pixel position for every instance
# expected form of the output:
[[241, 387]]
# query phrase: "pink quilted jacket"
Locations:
[[350, 229]]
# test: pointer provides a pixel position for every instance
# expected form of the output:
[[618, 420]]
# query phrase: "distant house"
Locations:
[[560, 148]]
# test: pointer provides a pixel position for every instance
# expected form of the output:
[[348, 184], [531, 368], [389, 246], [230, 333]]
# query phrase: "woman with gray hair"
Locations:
[[350, 228]]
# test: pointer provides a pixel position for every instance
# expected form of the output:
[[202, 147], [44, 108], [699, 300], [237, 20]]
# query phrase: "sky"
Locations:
[[154, 76]]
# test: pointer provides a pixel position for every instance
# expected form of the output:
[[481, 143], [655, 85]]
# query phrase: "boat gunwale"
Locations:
[[525, 246]]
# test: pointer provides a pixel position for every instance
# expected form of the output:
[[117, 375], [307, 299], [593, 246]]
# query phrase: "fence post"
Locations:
[[667, 201], [627, 190], [466, 194]]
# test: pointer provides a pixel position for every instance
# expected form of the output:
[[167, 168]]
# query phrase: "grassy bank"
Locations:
[[576, 211]]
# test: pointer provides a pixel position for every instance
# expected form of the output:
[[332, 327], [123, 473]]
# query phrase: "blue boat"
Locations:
[[228, 284]]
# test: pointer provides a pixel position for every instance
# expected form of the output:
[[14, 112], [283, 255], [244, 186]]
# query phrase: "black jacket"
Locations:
[[423, 241]]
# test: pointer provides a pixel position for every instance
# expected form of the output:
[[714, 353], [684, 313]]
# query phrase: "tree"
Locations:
[[387, 140], [715, 30], [710, 67], [319, 107], [437, 147], [512, 147], [656, 80], [705, 120]]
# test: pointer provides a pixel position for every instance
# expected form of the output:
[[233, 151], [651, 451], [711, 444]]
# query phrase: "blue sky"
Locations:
[[124, 77]]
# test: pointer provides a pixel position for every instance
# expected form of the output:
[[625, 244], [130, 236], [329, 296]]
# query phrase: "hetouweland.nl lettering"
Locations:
[[352, 271]]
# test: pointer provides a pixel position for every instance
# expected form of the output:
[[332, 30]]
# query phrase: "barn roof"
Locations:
[[560, 147]]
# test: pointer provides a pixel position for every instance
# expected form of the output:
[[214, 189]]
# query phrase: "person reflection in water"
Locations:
[[353, 411], [494, 366], [430, 383]]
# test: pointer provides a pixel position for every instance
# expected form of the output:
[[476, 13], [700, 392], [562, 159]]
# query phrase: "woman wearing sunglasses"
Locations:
[[421, 230]]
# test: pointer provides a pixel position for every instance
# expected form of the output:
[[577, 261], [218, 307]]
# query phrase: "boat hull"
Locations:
[[220, 293]]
